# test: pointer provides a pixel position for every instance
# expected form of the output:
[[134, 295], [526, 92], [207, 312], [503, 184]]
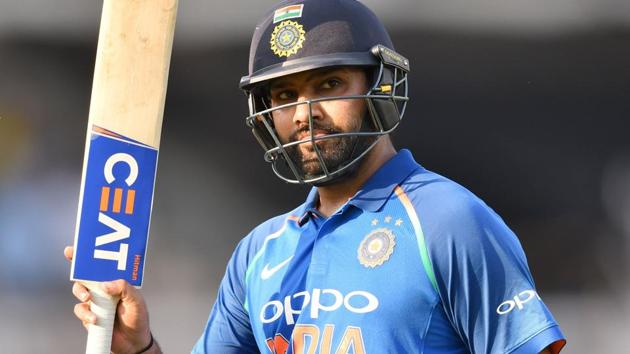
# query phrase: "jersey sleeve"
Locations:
[[228, 330], [484, 282]]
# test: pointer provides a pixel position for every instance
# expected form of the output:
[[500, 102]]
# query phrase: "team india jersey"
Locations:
[[413, 263]]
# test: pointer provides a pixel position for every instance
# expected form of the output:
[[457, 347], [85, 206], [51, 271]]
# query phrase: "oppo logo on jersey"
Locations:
[[517, 302], [320, 300]]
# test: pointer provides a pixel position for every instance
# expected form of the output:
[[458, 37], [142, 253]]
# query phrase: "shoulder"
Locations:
[[450, 213], [437, 197], [249, 246]]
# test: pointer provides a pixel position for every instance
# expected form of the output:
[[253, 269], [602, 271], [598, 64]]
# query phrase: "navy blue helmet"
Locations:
[[296, 36]]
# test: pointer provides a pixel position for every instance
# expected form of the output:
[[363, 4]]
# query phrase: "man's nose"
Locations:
[[302, 110]]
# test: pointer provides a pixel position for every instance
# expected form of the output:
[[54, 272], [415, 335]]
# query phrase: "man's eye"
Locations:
[[328, 84], [285, 96]]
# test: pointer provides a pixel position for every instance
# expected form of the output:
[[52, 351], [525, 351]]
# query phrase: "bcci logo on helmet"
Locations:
[[287, 38]]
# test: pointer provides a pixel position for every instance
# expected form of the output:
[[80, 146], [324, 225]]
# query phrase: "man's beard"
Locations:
[[336, 153]]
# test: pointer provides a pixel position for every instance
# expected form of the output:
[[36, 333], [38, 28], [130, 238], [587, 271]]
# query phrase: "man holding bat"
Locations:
[[384, 256]]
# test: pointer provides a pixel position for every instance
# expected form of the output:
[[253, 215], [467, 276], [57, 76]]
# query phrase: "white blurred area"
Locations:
[[218, 21], [201, 210]]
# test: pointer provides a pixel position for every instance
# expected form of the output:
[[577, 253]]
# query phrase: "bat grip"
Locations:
[[103, 305]]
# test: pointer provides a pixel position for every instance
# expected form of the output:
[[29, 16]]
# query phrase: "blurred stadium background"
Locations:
[[524, 102]]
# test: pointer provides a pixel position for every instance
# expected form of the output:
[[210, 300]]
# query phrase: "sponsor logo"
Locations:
[[121, 231], [268, 272], [320, 300], [115, 208], [287, 38], [518, 302]]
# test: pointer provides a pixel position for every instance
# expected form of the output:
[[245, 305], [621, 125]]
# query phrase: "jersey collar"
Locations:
[[309, 206], [376, 190], [380, 186]]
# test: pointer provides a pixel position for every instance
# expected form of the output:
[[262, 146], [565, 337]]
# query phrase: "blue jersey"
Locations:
[[413, 263]]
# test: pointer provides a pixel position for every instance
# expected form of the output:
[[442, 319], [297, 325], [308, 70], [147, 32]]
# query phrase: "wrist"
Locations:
[[150, 344]]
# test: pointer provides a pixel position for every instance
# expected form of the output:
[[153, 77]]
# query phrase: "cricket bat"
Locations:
[[121, 151]]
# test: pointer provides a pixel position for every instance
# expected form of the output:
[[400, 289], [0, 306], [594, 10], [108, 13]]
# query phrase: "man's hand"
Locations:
[[131, 327]]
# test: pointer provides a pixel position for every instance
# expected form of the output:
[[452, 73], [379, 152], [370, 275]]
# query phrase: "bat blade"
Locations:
[[120, 162]]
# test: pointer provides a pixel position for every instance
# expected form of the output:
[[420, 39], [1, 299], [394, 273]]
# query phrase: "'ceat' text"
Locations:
[[120, 232]]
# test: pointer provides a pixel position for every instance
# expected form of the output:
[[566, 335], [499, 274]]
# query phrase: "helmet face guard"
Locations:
[[386, 101], [301, 35]]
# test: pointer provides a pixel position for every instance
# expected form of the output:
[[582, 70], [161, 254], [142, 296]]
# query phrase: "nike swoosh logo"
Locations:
[[268, 272]]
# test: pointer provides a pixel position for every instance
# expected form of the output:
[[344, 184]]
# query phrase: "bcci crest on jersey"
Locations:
[[376, 247]]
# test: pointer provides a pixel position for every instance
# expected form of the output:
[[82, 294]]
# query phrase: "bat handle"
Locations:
[[103, 305]]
